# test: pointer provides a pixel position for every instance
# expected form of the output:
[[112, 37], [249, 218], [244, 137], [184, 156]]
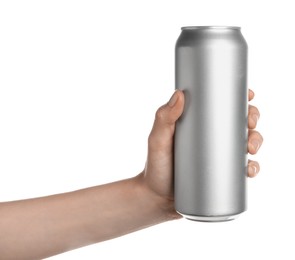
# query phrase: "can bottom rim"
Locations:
[[210, 27], [210, 218]]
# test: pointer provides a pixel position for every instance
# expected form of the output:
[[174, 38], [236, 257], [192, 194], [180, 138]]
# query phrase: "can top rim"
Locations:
[[210, 27]]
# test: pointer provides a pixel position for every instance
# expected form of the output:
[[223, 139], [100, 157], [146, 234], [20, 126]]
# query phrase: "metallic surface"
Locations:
[[210, 153]]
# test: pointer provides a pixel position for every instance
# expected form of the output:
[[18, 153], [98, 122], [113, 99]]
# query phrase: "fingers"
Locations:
[[162, 132], [253, 116], [161, 136], [253, 112], [255, 140], [253, 168]]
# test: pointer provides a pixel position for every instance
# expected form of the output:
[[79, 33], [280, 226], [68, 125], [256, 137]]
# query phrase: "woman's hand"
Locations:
[[158, 173]]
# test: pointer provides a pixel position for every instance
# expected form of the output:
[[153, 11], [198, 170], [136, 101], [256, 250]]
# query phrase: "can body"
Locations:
[[210, 146]]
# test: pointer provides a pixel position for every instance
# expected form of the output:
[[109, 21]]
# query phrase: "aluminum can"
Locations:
[[210, 146]]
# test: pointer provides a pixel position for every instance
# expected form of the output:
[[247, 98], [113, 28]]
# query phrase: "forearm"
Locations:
[[38, 228]]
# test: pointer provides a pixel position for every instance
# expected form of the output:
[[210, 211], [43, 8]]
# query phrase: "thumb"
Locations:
[[161, 136]]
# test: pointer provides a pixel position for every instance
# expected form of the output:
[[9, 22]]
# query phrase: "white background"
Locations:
[[79, 84]]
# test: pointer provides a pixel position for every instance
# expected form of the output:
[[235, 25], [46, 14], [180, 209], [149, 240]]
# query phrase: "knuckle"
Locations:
[[255, 134], [160, 113], [150, 138], [254, 110]]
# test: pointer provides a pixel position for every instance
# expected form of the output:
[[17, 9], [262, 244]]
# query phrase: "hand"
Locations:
[[158, 172], [254, 138], [62, 222]]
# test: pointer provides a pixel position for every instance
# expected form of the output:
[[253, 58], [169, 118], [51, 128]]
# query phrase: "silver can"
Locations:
[[210, 150]]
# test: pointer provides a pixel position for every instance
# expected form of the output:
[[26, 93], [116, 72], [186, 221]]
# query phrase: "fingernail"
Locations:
[[255, 117], [252, 92], [252, 171], [255, 144], [173, 100]]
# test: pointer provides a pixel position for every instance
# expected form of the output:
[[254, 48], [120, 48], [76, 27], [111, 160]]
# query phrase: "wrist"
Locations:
[[162, 206]]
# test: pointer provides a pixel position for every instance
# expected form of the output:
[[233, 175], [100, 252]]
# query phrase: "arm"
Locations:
[[42, 227]]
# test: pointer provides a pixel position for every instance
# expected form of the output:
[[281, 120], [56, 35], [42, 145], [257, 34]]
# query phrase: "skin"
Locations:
[[42, 227]]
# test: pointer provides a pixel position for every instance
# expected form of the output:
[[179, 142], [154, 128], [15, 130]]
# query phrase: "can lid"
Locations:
[[210, 27]]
